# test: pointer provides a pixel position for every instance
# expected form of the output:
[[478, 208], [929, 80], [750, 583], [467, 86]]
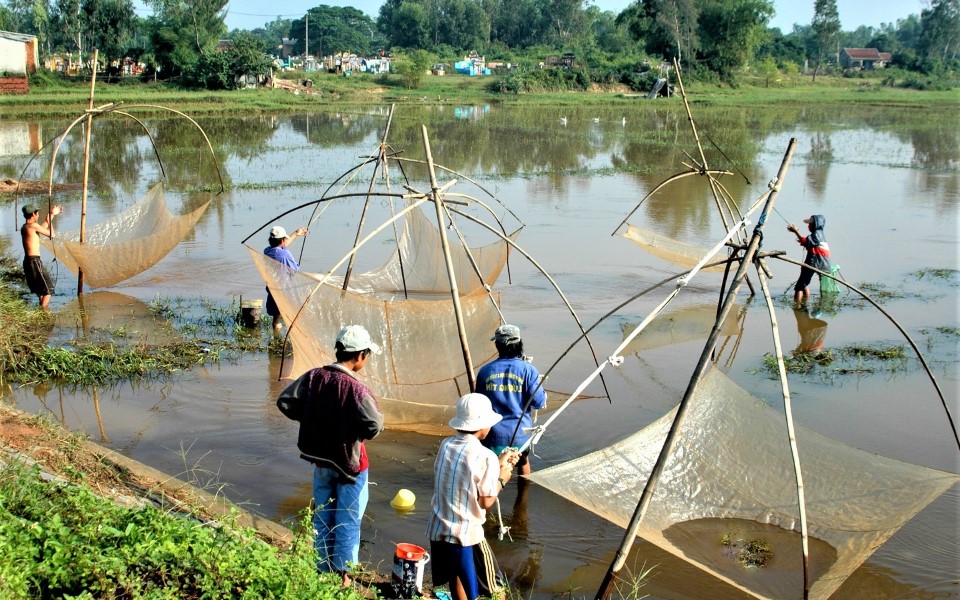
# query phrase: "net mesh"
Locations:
[[421, 373], [669, 249], [679, 326], [730, 483], [124, 245], [420, 268]]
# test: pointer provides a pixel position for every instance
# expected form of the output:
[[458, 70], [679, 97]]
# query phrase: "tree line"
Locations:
[[712, 39]]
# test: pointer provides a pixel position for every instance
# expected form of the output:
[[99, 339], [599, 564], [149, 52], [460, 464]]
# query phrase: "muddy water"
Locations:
[[887, 181]]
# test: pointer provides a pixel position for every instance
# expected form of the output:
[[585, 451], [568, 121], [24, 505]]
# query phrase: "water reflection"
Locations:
[[812, 330], [818, 163]]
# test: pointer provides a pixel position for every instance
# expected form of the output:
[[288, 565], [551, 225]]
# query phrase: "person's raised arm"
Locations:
[[44, 228], [796, 232], [294, 234]]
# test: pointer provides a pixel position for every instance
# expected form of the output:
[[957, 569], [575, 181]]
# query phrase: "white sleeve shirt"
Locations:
[[464, 470]]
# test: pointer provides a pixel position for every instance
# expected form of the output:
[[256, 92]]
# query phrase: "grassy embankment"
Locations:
[[51, 97], [61, 539]]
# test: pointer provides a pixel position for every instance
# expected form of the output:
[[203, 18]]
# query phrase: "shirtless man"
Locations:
[[37, 279]]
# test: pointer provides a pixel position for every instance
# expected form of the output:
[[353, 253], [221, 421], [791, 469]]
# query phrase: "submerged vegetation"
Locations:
[[98, 364], [749, 553], [846, 360], [196, 332]]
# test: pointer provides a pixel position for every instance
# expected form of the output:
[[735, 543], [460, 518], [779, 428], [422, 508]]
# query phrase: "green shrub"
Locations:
[[60, 540]]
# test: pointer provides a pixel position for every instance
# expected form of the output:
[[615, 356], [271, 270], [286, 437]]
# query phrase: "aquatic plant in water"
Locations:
[[749, 553]]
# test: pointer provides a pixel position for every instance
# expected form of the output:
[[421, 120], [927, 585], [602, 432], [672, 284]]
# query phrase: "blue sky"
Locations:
[[249, 14]]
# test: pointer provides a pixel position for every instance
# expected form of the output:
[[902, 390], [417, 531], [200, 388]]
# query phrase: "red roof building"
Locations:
[[863, 58]]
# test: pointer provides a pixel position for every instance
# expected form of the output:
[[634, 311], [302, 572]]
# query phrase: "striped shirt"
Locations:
[[464, 470]]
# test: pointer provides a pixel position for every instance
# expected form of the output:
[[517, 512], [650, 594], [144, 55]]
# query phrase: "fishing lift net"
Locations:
[[680, 326], [419, 268], [421, 371], [731, 482], [125, 245], [667, 248]]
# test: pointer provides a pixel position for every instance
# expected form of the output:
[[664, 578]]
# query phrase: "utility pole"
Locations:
[[306, 38]]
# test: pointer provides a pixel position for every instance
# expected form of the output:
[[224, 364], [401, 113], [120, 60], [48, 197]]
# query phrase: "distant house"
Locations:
[[567, 61], [18, 59], [864, 59]]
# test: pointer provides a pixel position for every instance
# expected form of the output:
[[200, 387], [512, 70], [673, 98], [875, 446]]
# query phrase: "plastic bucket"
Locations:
[[250, 313], [408, 566]]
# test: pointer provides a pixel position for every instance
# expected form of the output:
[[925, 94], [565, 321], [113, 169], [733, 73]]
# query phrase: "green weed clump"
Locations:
[[847, 360], [749, 553], [62, 541], [98, 364]]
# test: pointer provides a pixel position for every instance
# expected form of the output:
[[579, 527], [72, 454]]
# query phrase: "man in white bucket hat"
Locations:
[[337, 413], [467, 477]]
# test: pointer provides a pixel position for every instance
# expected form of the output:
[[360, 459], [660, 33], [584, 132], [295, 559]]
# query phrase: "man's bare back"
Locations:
[[32, 230]]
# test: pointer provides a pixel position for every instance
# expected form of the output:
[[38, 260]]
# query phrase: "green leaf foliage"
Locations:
[[62, 541]]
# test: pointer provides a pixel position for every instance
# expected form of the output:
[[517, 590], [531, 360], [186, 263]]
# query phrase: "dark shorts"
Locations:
[[37, 279], [272, 308], [806, 276], [474, 565]]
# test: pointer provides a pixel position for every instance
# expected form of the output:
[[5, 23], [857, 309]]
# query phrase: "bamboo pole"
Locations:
[[445, 243], [86, 165], [621, 556], [381, 158], [791, 431]]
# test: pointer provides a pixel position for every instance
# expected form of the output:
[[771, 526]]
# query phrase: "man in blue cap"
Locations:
[[513, 386]]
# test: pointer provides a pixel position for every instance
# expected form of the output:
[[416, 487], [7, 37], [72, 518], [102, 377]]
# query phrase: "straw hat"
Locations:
[[474, 413], [404, 500]]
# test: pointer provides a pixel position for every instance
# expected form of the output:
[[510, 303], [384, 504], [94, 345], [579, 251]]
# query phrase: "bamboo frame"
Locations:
[[668, 446]]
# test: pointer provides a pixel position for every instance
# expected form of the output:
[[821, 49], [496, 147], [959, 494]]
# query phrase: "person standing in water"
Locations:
[[818, 255], [277, 250], [37, 279], [511, 382]]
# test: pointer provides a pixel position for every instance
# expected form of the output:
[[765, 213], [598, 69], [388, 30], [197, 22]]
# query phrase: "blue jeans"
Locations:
[[338, 510]]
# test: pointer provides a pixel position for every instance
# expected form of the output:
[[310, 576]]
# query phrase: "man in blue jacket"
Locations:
[[513, 386]]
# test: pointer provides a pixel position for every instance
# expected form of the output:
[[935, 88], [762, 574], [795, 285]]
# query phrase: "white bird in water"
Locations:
[[623, 122], [563, 121], [596, 119]]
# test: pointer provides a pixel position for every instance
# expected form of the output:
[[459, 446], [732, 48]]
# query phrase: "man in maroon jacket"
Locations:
[[337, 413]]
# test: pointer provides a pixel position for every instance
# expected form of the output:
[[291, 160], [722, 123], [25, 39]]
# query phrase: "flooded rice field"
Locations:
[[887, 181]]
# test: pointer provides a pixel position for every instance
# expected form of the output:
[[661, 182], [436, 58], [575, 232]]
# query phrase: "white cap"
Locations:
[[355, 338], [278, 233], [474, 413]]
